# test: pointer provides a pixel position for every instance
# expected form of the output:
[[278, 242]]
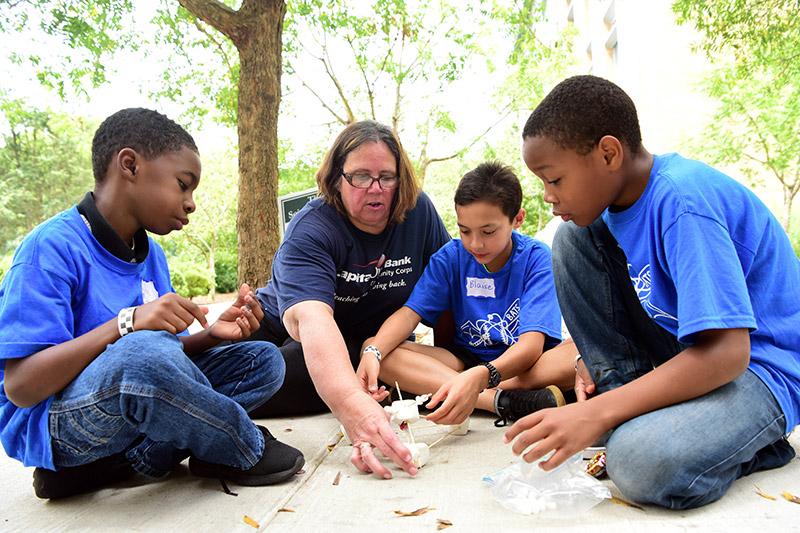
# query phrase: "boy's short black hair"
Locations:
[[491, 182], [581, 110], [148, 132]]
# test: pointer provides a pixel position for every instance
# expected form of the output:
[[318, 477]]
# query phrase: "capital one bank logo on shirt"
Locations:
[[374, 270], [643, 284], [505, 327]]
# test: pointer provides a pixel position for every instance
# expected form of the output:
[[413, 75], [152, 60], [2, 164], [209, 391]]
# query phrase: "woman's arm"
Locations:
[[311, 323], [394, 331]]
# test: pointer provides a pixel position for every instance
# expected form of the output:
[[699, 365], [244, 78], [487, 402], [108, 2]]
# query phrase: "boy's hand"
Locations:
[[566, 430], [171, 312], [584, 384], [241, 319], [459, 394], [367, 374]]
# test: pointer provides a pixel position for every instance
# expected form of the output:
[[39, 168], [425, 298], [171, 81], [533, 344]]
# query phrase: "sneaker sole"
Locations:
[[557, 394], [248, 480]]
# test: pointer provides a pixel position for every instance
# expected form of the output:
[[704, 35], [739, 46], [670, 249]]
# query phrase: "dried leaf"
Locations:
[[620, 501], [331, 447], [790, 497], [441, 524], [337, 478], [285, 510], [250, 522], [225, 488], [287, 430], [418, 512], [763, 494]]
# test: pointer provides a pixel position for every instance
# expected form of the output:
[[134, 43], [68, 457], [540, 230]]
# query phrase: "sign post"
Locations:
[[290, 204]]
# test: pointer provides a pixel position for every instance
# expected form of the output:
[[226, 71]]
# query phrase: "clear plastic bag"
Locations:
[[565, 491]]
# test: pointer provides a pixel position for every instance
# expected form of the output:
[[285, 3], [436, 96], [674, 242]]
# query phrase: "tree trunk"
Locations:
[[256, 30], [259, 97]]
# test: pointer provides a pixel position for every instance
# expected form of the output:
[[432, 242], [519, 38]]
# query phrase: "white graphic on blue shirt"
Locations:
[[494, 329], [643, 284]]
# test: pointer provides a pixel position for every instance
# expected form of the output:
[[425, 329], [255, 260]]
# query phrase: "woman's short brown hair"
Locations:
[[353, 136]]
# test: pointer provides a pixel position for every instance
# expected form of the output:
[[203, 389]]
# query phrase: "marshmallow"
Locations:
[[403, 411], [420, 453], [460, 429]]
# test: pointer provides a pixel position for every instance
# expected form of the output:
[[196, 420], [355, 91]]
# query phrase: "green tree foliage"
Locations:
[[248, 42], [757, 123], [45, 167], [92, 31], [755, 32]]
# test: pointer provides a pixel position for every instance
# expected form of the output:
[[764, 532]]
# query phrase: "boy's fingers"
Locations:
[[519, 426], [538, 451], [195, 311], [437, 397], [255, 307]]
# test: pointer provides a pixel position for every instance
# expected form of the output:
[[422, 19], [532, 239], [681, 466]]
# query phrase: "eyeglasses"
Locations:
[[365, 181]]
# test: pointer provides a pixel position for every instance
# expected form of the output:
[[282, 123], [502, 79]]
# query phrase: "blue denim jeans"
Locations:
[[145, 397], [682, 456]]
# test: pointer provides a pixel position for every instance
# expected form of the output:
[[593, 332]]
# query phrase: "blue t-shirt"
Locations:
[[491, 309], [705, 253], [363, 277], [62, 283]]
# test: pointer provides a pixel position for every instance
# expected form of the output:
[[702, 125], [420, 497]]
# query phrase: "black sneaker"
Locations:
[[514, 404], [74, 480], [278, 463]]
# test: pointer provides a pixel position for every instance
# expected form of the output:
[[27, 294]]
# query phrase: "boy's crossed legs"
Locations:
[[421, 369], [681, 456], [145, 398]]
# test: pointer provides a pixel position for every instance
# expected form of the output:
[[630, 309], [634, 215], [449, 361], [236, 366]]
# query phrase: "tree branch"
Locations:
[[336, 115], [370, 93], [508, 109], [215, 14], [329, 70]]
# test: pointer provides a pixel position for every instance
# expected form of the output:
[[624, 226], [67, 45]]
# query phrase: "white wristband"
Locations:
[[375, 351], [125, 321]]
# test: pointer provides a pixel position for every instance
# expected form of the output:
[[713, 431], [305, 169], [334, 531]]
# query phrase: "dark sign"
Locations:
[[290, 204]]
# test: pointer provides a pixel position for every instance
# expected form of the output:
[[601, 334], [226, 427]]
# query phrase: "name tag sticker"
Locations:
[[149, 292], [480, 287]]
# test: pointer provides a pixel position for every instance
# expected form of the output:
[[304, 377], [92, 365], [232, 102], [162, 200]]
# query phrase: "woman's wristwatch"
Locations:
[[374, 350]]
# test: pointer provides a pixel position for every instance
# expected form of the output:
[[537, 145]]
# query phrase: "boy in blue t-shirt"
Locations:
[[98, 377], [498, 284], [681, 291]]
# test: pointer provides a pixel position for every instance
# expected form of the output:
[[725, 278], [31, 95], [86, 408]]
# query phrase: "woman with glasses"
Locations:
[[349, 259]]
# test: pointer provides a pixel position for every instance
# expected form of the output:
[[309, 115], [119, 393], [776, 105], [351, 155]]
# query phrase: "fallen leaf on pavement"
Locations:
[[442, 524], [285, 510], [620, 501], [250, 522], [337, 478], [420, 511], [763, 494], [790, 497]]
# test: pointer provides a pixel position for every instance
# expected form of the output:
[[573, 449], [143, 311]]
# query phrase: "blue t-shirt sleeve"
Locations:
[[539, 309], [35, 311], [304, 269], [431, 294], [708, 277]]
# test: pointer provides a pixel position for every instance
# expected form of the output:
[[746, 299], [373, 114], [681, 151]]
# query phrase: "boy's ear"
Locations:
[[518, 219], [610, 149], [127, 160]]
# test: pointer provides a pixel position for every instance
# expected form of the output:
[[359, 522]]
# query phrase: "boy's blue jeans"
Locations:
[[682, 456], [145, 397]]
